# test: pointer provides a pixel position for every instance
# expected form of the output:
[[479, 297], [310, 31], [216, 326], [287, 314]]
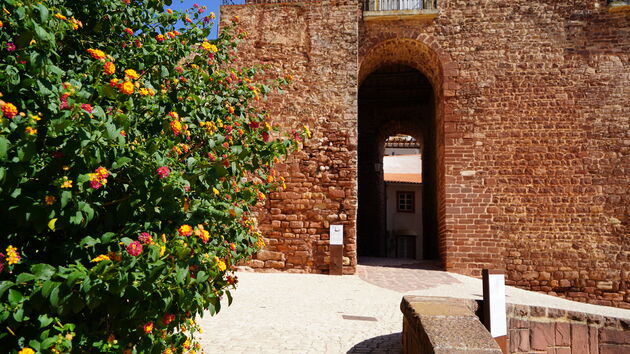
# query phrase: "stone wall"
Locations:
[[316, 43], [532, 145], [547, 330]]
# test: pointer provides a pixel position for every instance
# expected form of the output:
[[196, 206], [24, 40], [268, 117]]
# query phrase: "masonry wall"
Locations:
[[316, 43], [532, 123]]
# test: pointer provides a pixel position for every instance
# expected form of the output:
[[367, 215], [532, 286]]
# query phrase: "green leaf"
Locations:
[[19, 315], [4, 148], [4, 286], [24, 277], [15, 297], [54, 297], [43, 270], [43, 13], [48, 286], [41, 33], [88, 241], [65, 197], [229, 296], [44, 320]]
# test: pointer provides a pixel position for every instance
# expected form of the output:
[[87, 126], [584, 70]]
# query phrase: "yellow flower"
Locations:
[[60, 16], [215, 191], [220, 264], [209, 47], [12, 255], [75, 23], [30, 131], [50, 200], [132, 74], [162, 250], [212, 15], [127, 88], [307, 131], [144, 92], [67, 183], [100, 258], [26, 350], [96, 53]]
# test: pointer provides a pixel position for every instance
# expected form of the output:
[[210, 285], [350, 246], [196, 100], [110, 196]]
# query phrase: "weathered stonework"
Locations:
[[530, 129]]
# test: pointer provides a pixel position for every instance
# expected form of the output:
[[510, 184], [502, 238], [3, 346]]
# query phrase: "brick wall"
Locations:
[[532, 144], [538, 329]]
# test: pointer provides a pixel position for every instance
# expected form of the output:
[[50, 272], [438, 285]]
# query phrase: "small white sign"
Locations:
[[336, 234], [498, 321]]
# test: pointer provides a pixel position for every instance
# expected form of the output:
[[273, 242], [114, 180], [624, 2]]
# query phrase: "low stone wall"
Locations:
[[534, 329], [443, 325], [448, 325]]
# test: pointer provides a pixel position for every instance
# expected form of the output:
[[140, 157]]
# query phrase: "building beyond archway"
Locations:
[[394, 99]]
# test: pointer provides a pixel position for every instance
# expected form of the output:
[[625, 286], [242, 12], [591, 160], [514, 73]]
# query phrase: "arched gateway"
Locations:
[[400, 92], [519, 113]]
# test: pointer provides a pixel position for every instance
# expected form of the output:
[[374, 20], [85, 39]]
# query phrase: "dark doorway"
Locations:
[[394, 99]]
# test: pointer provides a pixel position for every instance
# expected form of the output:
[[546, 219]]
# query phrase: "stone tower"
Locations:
[[522, 108]]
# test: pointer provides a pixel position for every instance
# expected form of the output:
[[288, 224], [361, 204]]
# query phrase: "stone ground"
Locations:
[[313, 313]]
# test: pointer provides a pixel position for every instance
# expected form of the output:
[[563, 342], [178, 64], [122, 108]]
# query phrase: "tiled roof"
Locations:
[[403, 177]]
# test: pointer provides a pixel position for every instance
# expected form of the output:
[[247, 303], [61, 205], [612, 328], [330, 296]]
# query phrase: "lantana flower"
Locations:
[[163, 171], [109, 68], [126, 87], [134, 248], [96, 53], [203, 234], [13, 256], [132, 74], [148, 327], [100, 258], [185, 230], [9, 110], [145, 238]]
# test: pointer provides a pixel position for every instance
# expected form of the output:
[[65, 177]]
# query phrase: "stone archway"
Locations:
[[420, 116]]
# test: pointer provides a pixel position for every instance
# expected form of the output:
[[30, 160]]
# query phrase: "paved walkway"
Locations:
[[312, 313]]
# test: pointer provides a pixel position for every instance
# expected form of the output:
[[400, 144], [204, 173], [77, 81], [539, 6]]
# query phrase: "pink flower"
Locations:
[[145, 237], [163, 171], [87, 107], [134, 248], [11, 47]]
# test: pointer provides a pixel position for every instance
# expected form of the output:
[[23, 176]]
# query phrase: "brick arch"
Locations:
[[421, 52]]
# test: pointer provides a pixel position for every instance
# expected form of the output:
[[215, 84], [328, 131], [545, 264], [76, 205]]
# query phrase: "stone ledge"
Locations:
[[400, 15], [443, 325]]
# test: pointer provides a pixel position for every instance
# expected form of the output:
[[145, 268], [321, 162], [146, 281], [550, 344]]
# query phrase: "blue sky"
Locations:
[[211, 6]]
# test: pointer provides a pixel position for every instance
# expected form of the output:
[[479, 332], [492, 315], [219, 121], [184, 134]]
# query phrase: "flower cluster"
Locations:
[[98, 179], [9, 110], [96, 53]]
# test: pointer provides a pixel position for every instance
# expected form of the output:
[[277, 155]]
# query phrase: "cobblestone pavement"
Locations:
[[313, 313]]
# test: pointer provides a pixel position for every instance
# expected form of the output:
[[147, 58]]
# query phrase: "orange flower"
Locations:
[[109, 68], [169, 11], [176, 127], [96, 53], [9, 110], [160, 38], [129, 31], [185, 230], [126, 88], [203, 234], [132, 74]]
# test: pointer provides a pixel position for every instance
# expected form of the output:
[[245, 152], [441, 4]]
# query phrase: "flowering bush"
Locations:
[[130, 155]]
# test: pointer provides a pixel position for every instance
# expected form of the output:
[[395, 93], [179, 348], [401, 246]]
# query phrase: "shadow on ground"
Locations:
[[387, 344]]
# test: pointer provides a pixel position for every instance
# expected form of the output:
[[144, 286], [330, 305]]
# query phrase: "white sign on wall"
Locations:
[[336, 234], [498, 321]]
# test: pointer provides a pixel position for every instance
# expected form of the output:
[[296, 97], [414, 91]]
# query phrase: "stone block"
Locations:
[[542, 335], [274, 264], [579, 338], [563, 334], [266, 255], [614, 336]]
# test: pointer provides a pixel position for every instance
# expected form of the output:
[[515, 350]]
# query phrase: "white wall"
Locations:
[[401, 222]]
